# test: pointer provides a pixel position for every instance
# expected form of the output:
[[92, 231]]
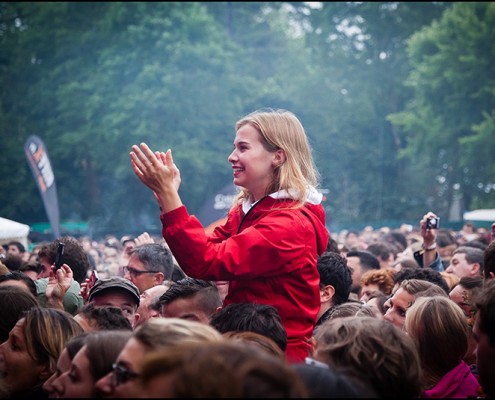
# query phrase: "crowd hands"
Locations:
[[422, 298]]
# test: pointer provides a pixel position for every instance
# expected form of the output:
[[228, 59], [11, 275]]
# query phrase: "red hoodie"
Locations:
[[268, 254]]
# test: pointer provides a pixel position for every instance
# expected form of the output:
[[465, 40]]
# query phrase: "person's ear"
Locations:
[[45, 373], [475, 268], [136, 319], [326, 294], [216, 310], [159, 277], [279, 158]]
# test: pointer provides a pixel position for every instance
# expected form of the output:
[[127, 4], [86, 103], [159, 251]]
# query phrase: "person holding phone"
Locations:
[[59, 288], [275, 230]]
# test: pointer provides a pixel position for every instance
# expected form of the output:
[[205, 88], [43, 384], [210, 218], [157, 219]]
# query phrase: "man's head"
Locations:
[[20, 279], [149, 265], [150, 306], [251, 317], [335, 280], [100, 318], [16, 248], [192, 299], [425, 274], [484, 334], [118, 292], [466, 261], [377, 279], [74, 256], [384, 252], [465, 293], [359, 262]]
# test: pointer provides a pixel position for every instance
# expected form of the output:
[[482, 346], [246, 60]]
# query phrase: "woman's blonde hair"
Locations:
[[282, 130], [225, 369], [158, 333], [47, 331], [441, 332]]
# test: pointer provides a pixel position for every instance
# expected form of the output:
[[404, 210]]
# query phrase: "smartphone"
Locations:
[[92, 279], [59, 258]]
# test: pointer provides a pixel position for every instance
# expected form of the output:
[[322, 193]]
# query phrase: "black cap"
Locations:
[[115, 282]]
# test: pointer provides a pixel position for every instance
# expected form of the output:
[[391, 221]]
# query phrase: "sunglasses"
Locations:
[[121, 374], [136, 272]]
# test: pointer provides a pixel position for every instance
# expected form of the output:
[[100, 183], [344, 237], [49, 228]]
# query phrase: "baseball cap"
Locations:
[[115, 282]]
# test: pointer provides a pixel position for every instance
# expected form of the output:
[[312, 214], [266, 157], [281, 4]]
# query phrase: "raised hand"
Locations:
[[153, 171], [59, 283], [144, 238], [429, 235], [163, 158], [158, 171]]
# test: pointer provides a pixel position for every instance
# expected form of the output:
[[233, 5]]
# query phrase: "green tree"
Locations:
[[95, 78], [360, 64], [448, 125], [104, 76]]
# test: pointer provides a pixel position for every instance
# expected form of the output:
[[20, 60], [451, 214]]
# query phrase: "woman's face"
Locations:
[[77, 381], [397, 306], [123, 382], [63, 365], [252, 163], [20, 371]]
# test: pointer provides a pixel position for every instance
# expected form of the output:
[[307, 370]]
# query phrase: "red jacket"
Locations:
[[268, 254]]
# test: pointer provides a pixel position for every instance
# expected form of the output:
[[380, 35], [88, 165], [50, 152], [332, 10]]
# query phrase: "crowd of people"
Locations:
[[269, 304]]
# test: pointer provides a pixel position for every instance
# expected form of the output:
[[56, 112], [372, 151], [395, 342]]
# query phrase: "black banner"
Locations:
[[41, 168]]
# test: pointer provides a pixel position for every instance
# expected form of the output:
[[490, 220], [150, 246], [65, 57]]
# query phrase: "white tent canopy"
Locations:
[[480, 215], [12, 230]]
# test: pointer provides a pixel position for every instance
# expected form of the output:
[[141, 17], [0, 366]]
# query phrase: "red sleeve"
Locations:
[[267, 248]]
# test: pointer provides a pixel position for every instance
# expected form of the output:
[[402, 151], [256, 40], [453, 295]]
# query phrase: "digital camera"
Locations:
[[433, 223]]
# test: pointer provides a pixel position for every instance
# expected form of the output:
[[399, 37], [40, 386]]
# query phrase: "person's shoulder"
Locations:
[[41, 284]]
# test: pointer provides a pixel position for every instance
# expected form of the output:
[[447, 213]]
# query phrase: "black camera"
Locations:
[[432, 223]]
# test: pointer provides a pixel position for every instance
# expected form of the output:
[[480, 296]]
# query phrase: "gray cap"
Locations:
[[115, 282]]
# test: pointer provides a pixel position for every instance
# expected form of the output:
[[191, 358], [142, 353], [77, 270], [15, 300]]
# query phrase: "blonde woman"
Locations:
[[269, 245], [153, 335], [29, 356]]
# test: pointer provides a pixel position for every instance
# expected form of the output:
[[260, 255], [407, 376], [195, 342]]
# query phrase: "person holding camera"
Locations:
[[428, 255]]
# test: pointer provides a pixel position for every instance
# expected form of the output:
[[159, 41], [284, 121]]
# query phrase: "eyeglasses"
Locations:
[[121, 374], [136, 272]]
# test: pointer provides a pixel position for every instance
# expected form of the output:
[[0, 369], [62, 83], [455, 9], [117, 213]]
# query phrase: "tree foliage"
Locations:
[[448, 124], [396, 97]]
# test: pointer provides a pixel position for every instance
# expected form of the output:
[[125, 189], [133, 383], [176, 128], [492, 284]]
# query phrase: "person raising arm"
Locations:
[[275, 230]]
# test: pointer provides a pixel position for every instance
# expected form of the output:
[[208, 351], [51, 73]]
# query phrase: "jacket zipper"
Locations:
[[245, 216]]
